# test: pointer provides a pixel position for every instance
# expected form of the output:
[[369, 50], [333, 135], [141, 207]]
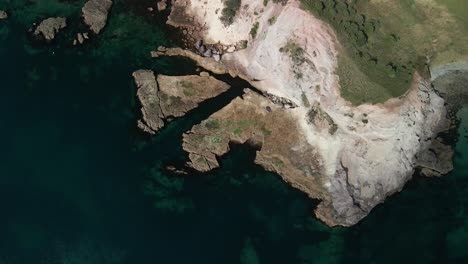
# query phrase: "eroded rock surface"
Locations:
[[95, 14], [49, 27], [166, 97], [352, 157], [269, 128]]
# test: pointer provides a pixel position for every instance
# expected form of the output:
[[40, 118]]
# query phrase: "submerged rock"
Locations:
[[164, 98], [3, 15], [95, 14], [49, 27]]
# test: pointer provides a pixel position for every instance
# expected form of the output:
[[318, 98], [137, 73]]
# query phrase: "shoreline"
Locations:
[[345, 162]]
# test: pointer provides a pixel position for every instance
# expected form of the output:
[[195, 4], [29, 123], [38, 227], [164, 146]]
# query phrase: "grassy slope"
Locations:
[[385, 42]]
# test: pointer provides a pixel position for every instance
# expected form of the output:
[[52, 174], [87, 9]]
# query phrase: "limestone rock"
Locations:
[[164, 98], [3, 15], [162, 5], [95, 14], [49, 27], [349, 157]]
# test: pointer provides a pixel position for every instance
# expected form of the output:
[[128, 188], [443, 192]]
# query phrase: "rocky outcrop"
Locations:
[[269, 128], [437, 160], [80, 38], [3, 15], [49, 27], [204, 62], [350, 157], [164, 98], [162, 5], [95, 14]]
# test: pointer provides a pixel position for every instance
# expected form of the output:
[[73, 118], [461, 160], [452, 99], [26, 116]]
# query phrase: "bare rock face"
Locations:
[[49, 27], [166, 97], [349, 157], [3, 15], [95, 14]]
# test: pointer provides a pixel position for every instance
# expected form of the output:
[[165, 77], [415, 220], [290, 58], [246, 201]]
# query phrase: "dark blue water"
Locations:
[[80, 184]]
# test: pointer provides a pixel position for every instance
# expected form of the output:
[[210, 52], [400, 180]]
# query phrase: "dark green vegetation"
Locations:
[[254, 30], [272, 20], [79, 184], [297, 56], [386, 42], [229, 11]]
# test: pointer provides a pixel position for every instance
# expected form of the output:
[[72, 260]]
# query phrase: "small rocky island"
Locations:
[[164, 98], [3, 15], [95, 13], [49, 27]]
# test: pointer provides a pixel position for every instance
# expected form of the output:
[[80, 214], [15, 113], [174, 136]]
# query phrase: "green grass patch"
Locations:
[[384, 43], [229, 11], [185, 84], [266, 132], [272, 20], [241, 125], [212, 124], [188, 92]]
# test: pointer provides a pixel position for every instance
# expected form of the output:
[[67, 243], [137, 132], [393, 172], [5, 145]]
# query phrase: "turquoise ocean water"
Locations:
[[80, 184]]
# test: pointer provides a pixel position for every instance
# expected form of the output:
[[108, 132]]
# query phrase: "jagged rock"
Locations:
[[217, 57], [437, 160], [3, 15], [208, 53], [175, 170], [148, 96], [80, 38], [204, 74], [231, 49], [49, 27], [162, 5], [350, 171], [95, 14], [199, 44], [283, 102], [164, 98], [202, 49]]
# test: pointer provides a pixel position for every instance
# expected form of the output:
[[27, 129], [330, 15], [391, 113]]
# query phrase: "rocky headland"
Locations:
[[95, 13], [350, 157], [49, 27], [164, 98]]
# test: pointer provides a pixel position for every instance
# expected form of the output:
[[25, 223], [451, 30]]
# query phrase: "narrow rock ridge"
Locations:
[[95, 13], [49, 27], [164, 98], [350, 157]]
